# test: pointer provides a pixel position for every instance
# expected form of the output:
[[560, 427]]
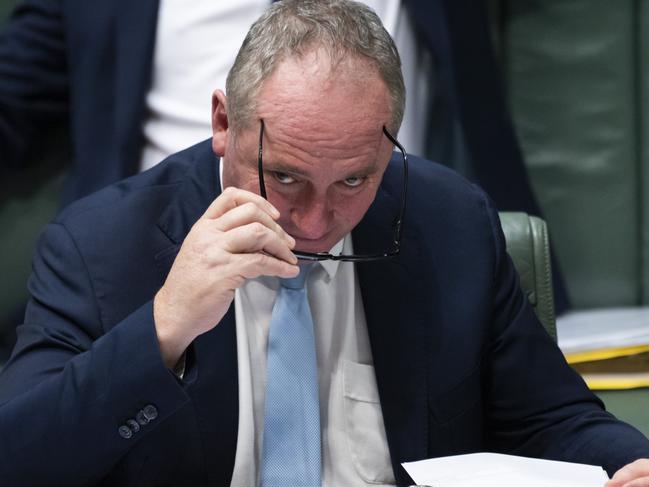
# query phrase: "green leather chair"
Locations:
[[527, 244], [578, 87]]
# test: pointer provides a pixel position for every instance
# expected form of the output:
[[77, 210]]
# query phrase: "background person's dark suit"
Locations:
[[462, 363]]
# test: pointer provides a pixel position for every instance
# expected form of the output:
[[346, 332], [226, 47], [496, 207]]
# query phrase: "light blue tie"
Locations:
[[291, 445]]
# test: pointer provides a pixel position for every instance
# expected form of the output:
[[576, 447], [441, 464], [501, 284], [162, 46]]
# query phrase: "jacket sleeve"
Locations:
[[34, 79], [70, 385], [539, 407]]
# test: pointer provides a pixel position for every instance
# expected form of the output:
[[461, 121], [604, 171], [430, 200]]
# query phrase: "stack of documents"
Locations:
[[498, 470], [609, 348]]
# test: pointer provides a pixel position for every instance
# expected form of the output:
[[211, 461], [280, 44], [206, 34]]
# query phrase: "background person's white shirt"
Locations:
[[196, 44]]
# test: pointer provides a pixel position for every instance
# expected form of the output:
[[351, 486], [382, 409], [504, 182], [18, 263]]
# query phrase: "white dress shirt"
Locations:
[[354, 446], [196, 44]]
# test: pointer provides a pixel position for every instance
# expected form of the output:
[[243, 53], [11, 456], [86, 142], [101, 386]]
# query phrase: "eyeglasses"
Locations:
[[398, 224]]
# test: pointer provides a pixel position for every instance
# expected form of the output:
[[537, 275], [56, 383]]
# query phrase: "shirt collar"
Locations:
[[331, 266]]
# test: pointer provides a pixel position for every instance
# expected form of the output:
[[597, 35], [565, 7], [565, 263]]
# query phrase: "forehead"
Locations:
[[310, 93]]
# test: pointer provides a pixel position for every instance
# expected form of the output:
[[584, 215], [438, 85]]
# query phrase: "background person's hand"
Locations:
[[237, 238], [634, 474]]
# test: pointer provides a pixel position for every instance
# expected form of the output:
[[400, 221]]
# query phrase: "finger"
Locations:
[[250, 213], [255, 238], [634, 470], [255, 265], [233, 197], [641, 482]]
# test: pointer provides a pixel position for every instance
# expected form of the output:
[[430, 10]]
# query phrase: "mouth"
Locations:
[[312, 248], [313, 245]]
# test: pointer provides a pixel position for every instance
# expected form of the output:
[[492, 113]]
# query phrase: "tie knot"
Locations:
[[298, 281]]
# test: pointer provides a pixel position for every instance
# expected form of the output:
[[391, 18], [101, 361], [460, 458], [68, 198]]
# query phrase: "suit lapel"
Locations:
[[212, 359], [393, 300], [135, 32]]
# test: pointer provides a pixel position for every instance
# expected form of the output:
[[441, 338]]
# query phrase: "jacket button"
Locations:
[[141, 418], [134, 425], [125, 432], [150, 412]]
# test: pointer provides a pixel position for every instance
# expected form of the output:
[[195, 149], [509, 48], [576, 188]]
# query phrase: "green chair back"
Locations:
[[578, 83], [527, 244]]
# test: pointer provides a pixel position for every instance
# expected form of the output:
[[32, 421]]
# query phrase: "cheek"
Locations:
[[239, 172], [352, 209], [240, 177], [284, 203]]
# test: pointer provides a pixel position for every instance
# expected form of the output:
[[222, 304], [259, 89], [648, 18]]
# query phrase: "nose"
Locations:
[[312, 219]]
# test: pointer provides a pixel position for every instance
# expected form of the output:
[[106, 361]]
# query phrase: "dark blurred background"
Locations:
[[28, 200]]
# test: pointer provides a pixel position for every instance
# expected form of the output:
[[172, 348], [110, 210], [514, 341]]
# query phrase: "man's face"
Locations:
[[324, 151]]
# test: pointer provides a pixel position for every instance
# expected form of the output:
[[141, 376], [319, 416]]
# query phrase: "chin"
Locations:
[[311, 246]]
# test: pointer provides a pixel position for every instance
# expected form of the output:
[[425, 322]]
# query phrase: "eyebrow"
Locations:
[[287, 169], [283, 168]]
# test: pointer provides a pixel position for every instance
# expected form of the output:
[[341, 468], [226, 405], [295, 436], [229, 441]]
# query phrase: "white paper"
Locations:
[[498, 470], [579, 331]]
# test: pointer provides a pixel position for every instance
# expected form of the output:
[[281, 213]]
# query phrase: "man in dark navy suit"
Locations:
[[142, 359]]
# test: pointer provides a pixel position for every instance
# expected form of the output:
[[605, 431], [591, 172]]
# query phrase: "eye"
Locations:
[[354, 181], [283, 178]]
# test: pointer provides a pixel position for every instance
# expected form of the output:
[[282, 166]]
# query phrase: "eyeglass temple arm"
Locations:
[[262, 183], [399, 222]]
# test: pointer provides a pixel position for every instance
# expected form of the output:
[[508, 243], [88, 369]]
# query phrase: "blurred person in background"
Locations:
[[129, 81]]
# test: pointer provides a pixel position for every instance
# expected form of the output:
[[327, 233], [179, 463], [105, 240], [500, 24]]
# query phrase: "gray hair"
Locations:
[[289, 28]]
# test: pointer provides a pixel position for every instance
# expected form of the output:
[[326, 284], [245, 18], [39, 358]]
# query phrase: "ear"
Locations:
[[219, 122]]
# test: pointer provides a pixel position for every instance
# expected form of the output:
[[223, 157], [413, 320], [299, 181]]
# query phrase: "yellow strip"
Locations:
[[615, 384], [605, 353]]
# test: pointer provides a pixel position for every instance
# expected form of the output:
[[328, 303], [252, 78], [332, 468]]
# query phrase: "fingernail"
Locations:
[[274, 211]]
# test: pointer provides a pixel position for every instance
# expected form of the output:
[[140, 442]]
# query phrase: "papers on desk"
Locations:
[[602, 333], [494, 469], [609, 348]]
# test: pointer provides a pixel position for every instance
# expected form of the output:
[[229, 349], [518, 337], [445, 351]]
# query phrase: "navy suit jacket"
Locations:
[[462, 364]]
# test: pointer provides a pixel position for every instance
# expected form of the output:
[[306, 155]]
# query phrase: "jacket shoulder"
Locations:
[[139, 196], [440, 189]]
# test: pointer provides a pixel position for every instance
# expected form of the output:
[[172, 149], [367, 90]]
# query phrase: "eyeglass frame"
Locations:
[[398, 224]]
